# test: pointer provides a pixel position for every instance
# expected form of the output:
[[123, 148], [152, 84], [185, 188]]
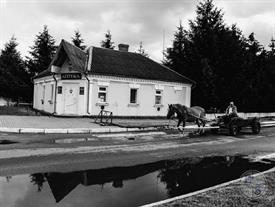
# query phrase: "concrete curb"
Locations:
[[95, 130], [169, 200], [71, 130]]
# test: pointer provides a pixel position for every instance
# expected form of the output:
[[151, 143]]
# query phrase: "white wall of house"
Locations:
[[70, 101], [118, 96], [44, 93]]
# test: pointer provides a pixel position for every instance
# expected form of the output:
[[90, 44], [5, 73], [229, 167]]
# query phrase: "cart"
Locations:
[[235, 124]]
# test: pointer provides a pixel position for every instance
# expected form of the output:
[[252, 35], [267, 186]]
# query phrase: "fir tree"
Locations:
[[15, 81], [210, 53], [107, 43], [42, 52], [272, 47], [174, 56], [77, 40]]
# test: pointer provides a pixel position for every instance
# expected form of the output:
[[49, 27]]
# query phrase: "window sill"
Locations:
[[158, 105], [102, 104], [133, 104]]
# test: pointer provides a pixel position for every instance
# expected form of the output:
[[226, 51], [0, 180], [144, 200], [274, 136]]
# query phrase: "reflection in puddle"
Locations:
[[122, 186]]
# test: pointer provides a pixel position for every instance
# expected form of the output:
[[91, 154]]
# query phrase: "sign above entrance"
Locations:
[[71, 76]]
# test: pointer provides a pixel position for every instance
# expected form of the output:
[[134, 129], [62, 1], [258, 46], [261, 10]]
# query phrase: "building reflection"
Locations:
[[178, 176], [61, 184]]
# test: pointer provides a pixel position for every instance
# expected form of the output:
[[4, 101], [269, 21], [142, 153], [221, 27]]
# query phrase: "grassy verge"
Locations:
[[17, 110], [236, 194]]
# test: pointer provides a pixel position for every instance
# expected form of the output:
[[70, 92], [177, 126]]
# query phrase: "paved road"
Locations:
[[43, 153]]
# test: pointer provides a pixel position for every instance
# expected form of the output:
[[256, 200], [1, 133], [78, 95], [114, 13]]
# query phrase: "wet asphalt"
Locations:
[[72, 152]]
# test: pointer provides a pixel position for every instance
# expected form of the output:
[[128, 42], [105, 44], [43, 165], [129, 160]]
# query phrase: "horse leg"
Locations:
[[198, 122], [179, 123], [203, 125]]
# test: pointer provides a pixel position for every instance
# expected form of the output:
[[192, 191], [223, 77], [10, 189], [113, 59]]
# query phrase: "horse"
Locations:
[[184, 113]]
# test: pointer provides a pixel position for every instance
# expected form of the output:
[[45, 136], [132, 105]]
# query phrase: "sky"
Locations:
[[153, 22]]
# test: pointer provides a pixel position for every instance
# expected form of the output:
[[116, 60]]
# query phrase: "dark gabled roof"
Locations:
[[66, 50], [134, 65], [114, 63]]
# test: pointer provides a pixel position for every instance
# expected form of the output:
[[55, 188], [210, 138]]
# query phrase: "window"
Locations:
[[81, 90], [52, 91], [102, 94], [133, 95], [52, 94], [59, 89], [158, 97]]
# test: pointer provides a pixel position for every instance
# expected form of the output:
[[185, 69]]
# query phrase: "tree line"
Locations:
[[225, 64], [16, 73]]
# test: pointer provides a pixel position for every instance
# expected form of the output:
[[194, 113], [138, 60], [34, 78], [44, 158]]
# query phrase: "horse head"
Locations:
[[171, 111]]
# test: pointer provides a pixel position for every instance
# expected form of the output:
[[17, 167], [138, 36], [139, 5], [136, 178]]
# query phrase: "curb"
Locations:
[[96, 130], [72, 130]]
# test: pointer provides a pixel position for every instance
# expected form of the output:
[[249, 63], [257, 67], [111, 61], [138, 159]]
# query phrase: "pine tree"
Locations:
[[210, 53], [272, 47], [42, 52], [77, 40], [142, 51], [14, 80], [174, 56], [107, 43]]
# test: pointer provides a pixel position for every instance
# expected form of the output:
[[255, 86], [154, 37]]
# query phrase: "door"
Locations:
[[71, 98]]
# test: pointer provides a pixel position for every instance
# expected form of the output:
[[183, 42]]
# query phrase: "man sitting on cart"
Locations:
[[231, 110], [230, 113]]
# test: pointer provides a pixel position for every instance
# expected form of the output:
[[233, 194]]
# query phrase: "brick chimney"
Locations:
[[123, 47]]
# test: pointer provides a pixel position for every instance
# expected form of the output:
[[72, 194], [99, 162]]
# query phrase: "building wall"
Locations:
[[44, 92], [118, 96], [71, 102]]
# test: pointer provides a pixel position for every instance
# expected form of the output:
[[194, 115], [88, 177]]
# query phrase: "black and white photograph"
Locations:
[[127, 103]]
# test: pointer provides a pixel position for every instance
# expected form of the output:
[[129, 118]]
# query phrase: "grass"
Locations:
[[231, 195], [17, 110]]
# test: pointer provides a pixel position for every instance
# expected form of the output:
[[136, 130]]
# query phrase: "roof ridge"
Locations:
[[72, 45], [114, 50]]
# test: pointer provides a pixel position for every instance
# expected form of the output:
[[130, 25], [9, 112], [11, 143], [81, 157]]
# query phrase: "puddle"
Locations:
[[5, 141], [123, 186]]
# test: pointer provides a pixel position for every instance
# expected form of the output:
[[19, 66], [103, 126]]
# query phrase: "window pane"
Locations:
[[59, 89], [102, 88], [158, 91], [52, 91], [102, 96], [133, 96], [157, 99], [81, 91]]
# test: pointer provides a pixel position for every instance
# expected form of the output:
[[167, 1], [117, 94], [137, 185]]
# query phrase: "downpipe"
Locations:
[[88, 93], [55, 94]]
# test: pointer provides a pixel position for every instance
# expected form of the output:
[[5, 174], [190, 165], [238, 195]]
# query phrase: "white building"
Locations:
[[81, 83]]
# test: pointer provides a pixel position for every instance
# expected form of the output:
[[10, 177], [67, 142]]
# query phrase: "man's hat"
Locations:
[[232, 103]]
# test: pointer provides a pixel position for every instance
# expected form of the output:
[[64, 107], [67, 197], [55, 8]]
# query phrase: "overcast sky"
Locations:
[[130, 21]]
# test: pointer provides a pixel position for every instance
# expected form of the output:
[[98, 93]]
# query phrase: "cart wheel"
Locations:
[[233, 130], [256, 128]]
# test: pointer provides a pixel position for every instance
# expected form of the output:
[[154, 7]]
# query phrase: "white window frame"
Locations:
[[136, 98], [159, 95], [102, 91], [52, 94], [43, 93]]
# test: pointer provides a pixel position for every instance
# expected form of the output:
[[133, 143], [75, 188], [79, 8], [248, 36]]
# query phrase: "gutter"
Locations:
[[55, 91]]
